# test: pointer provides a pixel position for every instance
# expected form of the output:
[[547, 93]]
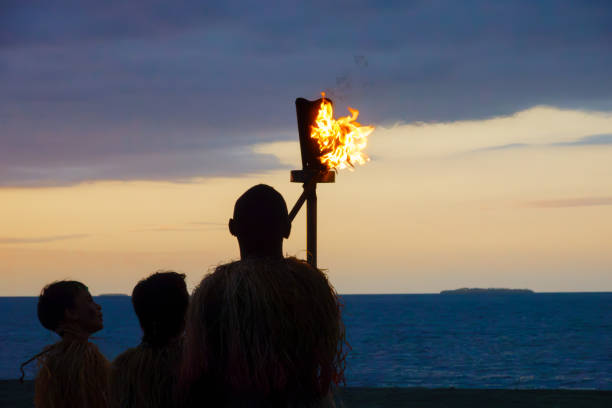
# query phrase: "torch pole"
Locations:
[[311, 227], [308, 187], [309, 195], [313, 172]]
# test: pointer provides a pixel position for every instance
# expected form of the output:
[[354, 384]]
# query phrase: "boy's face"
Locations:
[[86, 314]]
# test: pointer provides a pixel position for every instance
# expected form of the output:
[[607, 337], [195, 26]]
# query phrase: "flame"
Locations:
[[341, 141]]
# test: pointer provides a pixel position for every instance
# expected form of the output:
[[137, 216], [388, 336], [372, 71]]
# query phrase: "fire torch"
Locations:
[[326, 145]]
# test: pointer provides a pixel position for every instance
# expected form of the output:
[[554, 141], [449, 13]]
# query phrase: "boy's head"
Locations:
[[260, 221], [160, 302], [68, 304]]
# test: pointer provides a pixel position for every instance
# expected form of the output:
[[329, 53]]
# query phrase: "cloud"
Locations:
[[571, 202], [69, 21], [180, 167], [209, 224], [509, 146], [540, 127], [89, 84], [594, 140], [38, 240], [170, 229], [191, 227]]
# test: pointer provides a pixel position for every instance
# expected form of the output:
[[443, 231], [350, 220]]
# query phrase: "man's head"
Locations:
[[68, 305], [160, 302], [260, 222]]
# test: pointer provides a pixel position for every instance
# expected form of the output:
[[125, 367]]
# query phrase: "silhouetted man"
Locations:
[[264, 331], [260, 223]]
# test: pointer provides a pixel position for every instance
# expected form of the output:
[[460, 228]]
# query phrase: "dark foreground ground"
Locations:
[[16, 395]]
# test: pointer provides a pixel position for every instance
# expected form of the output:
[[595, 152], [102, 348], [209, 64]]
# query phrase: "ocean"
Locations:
[[523, 341]]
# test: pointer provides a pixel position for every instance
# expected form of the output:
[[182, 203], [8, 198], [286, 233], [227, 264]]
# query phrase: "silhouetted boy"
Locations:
[[72, 372], [145, 376], [264, 331]]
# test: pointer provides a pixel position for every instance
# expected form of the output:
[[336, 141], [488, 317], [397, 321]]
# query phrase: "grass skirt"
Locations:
[[145, 376], [72, 374]]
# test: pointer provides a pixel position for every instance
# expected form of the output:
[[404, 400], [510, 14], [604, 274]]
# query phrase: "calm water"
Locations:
[[548, 340]]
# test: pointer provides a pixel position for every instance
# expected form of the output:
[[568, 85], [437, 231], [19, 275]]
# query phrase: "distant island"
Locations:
[[469, 291], [112, 294]]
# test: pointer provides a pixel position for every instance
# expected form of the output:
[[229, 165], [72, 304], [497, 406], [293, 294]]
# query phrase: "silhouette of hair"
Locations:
[[264, 330], [261, 211], [160, 302], [54, 299]]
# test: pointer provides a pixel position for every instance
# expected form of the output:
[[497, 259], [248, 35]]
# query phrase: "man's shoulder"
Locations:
[[301, 265], [290, 264], [124, 358], [293, 274], [224, 268]]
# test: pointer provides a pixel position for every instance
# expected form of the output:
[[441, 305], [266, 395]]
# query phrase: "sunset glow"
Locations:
[[127, 133], [427, 193]]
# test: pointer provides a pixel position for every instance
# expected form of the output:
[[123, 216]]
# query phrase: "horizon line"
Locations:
[[356, 293]]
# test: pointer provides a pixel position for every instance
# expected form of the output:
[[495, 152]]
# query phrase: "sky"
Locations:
[[128, 130]]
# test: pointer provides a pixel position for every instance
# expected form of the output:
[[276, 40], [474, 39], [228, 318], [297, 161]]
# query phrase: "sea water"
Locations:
[[542, 340]]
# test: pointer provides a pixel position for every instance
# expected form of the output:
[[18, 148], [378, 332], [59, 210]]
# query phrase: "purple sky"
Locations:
[[157, 90]]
